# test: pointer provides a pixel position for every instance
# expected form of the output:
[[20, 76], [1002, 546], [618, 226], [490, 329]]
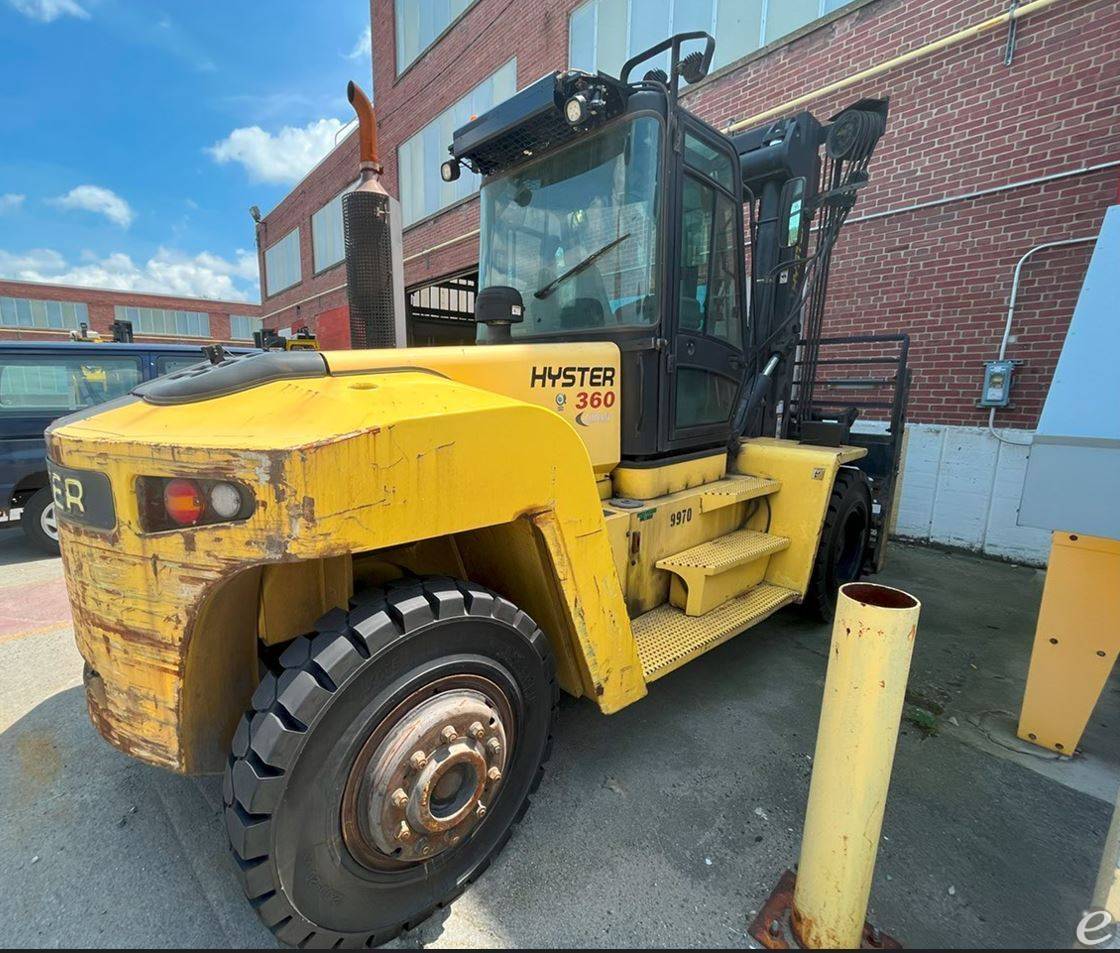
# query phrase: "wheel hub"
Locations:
[[426, 777]]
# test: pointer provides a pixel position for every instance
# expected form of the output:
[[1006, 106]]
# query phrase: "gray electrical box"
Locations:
[[997, 384], [1073, 471]]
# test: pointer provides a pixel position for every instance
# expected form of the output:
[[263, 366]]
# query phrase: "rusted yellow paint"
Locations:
[[1076, 641], [451, 460], [341, 464]]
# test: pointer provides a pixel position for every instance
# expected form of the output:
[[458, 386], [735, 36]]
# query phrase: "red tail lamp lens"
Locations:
[[184, 501]]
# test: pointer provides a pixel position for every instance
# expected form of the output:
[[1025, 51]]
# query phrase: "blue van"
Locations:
[[42, 381]]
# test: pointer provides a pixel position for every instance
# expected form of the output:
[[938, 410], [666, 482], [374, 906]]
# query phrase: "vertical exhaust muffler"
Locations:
[[371, 224]]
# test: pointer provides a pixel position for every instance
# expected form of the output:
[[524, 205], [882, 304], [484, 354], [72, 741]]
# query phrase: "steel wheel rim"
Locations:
[[428, 773], [48, 522]]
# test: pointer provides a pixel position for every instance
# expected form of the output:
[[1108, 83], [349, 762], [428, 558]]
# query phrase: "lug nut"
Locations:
[[494, 774], [476, 730], [418, 760], [399, 797], [454, 839], [449, 734], [494, 746], [480, 811], [405, 832]]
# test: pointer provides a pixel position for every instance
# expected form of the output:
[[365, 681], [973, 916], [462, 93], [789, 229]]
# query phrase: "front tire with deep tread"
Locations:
[[844, 540], [292, 752]]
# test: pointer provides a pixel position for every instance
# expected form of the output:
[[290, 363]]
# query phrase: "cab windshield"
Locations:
[[576, 232]]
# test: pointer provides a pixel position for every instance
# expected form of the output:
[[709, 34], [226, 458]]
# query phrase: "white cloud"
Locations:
[[363, 47], [10, 201], [33, 261], [204, 275], [94, 198], [283, 158], [47, 10]]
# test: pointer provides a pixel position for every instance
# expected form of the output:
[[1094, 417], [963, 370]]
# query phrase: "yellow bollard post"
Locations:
[[868, 663]]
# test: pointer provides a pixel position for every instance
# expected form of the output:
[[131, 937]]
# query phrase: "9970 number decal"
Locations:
[[681, 517]]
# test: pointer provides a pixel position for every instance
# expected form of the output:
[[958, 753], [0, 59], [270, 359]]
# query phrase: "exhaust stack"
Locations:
[[371, 224]]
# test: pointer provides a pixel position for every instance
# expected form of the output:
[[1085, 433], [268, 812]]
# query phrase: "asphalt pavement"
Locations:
[[664, 825]]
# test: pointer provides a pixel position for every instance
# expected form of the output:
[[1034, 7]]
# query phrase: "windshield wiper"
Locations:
[[544, 291]]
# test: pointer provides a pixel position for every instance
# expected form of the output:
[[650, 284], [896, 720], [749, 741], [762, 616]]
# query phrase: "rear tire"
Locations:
[[327, 766], [39, 523], [844, 539]]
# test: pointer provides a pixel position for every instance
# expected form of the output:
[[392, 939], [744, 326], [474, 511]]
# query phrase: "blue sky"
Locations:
[[135, 134]]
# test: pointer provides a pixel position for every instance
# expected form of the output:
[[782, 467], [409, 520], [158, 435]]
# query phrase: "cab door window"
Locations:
[[709, 288]]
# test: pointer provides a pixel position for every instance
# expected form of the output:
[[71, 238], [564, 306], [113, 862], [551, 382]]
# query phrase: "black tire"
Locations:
[[844, 539], [292, 755], [36, 521]]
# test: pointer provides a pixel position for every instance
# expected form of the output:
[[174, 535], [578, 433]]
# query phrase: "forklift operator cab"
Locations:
[[631, 232]]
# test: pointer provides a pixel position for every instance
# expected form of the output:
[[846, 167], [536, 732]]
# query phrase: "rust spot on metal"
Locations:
[[778, 926]]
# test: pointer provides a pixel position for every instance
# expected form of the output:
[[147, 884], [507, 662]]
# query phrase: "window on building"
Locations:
[[241, 327], [603, 34], [423, 192], [44, 315], [281, 263], [188, 324], [327, 242], [420, 23]]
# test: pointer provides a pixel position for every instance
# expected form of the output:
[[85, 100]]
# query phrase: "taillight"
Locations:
[[178, 502], [182, 502]]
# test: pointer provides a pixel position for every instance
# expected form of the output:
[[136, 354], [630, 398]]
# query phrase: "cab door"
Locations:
[[707, 346]]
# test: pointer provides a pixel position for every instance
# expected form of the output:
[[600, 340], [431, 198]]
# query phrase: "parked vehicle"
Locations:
[[41, 381]]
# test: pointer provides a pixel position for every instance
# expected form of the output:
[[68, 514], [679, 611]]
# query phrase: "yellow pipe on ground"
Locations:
[[868, 663]]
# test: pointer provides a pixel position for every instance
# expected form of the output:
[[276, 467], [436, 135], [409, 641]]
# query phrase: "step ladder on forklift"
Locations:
[[717, 588]]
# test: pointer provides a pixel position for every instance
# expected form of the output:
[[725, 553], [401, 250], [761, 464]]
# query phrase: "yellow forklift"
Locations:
[[301, 339], [357, 581]]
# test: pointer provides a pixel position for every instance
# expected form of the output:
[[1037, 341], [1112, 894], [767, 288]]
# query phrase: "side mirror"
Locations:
[[792, 211], [497, 307]]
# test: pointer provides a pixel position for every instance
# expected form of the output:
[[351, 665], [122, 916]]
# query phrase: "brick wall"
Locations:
[[303, 302], [961, 122], [102, 311]]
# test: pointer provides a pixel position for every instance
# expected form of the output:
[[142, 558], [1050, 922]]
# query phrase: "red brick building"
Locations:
[[997, 142], [30, 311]]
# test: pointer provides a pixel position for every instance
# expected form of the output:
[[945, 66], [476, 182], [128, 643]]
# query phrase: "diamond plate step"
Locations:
[[735, 489], [707, 575], [724, 552], [667, 638]]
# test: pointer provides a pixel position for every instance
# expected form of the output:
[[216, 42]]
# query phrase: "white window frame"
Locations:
[[165, 322], [294, 237], [316, 231], [38, 314], [402, 164], [822, 11], [402, 67], [255, 324]]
